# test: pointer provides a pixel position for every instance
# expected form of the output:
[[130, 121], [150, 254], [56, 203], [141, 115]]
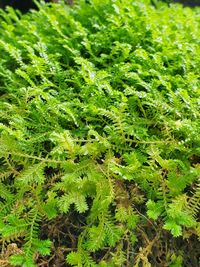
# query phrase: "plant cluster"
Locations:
[[100, 130]]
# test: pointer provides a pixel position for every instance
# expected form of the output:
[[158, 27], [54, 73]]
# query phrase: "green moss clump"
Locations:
[[100, 134]]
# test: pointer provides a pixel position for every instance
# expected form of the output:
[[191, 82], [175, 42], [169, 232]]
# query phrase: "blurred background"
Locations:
[[188, 2], [25, 5]]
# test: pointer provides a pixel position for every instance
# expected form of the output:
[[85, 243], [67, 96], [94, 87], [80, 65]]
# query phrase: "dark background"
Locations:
[[188, 2], [191, 3], [25, 5]]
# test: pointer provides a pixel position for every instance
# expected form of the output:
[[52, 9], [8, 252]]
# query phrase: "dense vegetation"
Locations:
[[100, 144]]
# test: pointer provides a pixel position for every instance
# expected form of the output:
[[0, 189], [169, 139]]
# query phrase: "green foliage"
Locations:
[[99, 116]]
